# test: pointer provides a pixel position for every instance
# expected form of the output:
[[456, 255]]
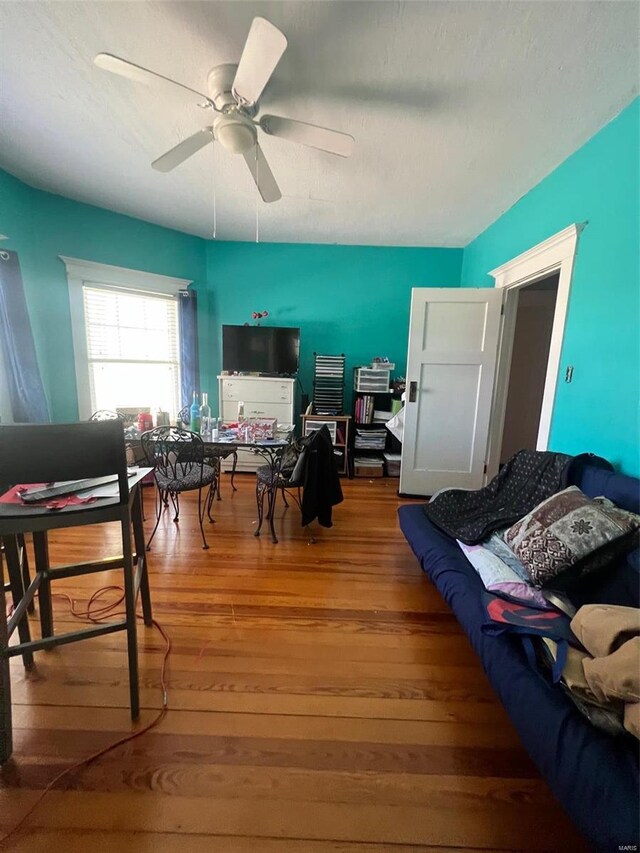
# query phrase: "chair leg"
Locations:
[[41, 550], [218, 469], [141, 555], [17, 591], [272, 497], [175, 500], [260, 490], [210, 497], [201, 512], [6, 737], [284, 498], [312, 540], [160, 504], [130, 610]]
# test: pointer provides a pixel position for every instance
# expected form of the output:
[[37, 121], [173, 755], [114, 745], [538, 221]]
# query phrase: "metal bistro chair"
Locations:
[[214, 459], [177, 457], [43, 453], [287, 475]]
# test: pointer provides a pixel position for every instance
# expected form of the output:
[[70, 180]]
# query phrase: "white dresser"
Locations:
[[263, 397]]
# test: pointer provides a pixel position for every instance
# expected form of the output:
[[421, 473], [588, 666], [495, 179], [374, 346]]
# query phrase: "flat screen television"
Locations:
[[260, 349]]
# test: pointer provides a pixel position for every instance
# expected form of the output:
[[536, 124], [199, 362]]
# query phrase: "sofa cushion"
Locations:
[[570, 535]]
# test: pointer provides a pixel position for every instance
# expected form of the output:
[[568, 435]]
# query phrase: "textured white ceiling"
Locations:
[[458, 108]]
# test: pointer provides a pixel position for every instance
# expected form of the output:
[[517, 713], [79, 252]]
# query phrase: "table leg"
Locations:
[[6, 738], [273, 494], [41, 551], [233, 470], [12, 553], [130, 608], [24, 562]]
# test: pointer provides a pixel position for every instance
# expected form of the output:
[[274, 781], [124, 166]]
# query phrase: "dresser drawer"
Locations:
[[281, 411], [256, 390]]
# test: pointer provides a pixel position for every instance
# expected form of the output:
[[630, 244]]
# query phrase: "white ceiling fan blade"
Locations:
[[262, 174], [131, 71], [262, 51], [332, 141], [183, 150]]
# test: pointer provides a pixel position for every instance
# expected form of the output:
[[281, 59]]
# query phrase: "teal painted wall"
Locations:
[[599, 183], [42, 226], [356, 299], [351, 299]]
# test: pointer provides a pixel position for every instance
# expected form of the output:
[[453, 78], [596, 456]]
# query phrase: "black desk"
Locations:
[[16, 519]]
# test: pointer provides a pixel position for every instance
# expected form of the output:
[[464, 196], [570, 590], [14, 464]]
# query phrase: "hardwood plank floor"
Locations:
[[323, 699]]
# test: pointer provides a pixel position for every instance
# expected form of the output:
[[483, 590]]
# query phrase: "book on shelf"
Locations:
[[364, 409]]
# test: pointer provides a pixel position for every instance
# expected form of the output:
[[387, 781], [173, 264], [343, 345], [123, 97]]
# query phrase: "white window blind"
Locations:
[[132, 349]]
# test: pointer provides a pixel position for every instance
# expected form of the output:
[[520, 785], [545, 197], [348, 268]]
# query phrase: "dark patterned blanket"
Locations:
[[528, 478]]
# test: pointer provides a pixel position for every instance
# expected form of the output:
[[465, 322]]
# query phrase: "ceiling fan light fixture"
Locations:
[[235, 134]]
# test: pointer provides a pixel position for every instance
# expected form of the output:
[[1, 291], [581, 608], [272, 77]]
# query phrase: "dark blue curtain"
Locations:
[[26, 391], [189, 363]]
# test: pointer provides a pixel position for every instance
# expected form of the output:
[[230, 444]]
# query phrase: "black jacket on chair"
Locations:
[[321, 486]]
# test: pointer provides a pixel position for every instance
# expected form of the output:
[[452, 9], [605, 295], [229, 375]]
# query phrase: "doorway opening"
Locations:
[[536, 305]]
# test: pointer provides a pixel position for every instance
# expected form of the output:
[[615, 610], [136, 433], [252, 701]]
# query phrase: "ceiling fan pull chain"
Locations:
[[213, 187], [257, 195]]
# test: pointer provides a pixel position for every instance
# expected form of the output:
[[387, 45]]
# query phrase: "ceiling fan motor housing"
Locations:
[[220, 87], [235, 132]]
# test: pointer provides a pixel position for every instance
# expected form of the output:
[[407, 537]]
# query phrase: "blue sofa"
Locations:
[[594, 776]]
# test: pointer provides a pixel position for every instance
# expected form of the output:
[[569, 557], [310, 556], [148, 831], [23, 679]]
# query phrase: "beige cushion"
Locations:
[[616, 676], [602, 628]]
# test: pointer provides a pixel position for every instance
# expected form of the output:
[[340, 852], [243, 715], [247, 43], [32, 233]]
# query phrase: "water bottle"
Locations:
[[194, 415], [215, 429], [205, 416]]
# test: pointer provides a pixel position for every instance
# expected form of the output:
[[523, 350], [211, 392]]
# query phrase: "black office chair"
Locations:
[[44, 453], [177, 457]]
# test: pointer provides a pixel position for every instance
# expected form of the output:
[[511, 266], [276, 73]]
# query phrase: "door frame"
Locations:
[[554, 255]]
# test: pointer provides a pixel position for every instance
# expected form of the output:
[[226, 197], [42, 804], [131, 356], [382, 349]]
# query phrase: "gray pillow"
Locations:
[[569, 535]]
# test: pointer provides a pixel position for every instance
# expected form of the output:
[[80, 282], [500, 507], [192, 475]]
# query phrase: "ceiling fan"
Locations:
[[234, 95]]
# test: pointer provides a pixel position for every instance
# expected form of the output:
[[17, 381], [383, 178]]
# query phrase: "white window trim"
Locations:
[[79, 273], [556, 254]]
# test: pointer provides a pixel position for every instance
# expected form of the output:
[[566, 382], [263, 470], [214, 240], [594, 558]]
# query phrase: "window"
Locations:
[[132, 349], [126, 338]]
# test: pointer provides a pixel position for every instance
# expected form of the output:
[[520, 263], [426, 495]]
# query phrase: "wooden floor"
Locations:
[[323, 698]]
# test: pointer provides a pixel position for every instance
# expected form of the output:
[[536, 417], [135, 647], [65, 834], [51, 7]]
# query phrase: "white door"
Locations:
[[453, 343]]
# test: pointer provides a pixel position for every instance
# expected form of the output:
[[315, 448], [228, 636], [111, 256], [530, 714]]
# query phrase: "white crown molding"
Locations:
[[92, 272], [547, 255]]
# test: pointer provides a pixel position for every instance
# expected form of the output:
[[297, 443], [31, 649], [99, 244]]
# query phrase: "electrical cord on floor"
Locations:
[[96, 614]]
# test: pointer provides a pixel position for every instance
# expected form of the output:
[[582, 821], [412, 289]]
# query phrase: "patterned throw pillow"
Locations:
[[569, 535]]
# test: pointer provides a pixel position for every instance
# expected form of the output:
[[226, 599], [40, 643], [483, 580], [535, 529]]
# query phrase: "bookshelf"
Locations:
[[372, 443]]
